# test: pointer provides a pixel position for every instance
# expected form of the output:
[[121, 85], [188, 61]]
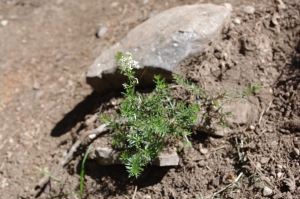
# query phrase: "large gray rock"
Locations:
[[160, 44]]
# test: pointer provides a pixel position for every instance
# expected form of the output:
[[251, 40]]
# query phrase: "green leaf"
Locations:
[[118, 56], [82, 171]]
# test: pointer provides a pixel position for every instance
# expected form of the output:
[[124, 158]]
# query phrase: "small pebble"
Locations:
[[92, 136], [146, 197], [4, 22], [279, 166], [264, 160], [280, 5], [267, 191], [249, 10], [279, 175], [201, 163], [237, 21], [204, 150], [114, 4], [296, 152], [101, 32]]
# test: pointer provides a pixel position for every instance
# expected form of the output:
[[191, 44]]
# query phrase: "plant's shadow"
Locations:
[[113, 180]]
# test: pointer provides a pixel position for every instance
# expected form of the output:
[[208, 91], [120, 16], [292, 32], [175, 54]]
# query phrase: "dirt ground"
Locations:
[[46, 47]]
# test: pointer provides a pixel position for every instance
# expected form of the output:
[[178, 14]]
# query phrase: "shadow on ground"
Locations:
[[88, 106]]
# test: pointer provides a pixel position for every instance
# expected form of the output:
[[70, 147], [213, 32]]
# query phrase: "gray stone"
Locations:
[[108, 156], [160, 44]]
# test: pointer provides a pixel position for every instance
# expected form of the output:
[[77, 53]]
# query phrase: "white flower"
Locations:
[[127, 63]]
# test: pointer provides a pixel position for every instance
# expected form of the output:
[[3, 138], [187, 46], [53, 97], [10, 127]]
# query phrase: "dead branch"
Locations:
[[45, 181]]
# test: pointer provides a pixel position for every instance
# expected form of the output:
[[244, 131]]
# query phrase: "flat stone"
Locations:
[[108, 156], [160, 44], [243, 112], [167, 159]]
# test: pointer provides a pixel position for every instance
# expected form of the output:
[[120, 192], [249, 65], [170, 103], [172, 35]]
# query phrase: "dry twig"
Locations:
[[44, 182]]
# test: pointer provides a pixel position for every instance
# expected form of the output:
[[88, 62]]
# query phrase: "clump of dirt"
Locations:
[[55, 50]]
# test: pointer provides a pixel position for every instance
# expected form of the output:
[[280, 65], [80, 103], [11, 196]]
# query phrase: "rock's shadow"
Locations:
[[88, 106]]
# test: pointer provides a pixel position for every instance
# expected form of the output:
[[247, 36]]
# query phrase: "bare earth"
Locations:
[[45, 50]]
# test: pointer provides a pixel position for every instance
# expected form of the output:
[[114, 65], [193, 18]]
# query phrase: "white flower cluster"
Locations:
[[127, 63]]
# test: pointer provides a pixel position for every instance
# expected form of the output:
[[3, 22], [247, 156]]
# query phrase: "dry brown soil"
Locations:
[[45, 50]]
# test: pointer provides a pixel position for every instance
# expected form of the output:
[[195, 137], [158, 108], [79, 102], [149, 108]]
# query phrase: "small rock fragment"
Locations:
[[296, 152], [264, 160], [203, 150], [267, 191], [279, 175], [92, 136], [146, 197], [101, 32], [114, 4], [237, 21], [167, 159], [280, 5], [201, 163], [274, 19], [4, 22], [249, 10], [279, 166], [36, 85]]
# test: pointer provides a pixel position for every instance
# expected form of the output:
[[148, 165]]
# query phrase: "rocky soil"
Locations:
[[46, 48]]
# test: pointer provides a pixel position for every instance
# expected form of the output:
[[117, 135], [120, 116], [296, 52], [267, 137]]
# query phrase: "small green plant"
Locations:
[[81, 181], [147, 122], [72, 193]]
